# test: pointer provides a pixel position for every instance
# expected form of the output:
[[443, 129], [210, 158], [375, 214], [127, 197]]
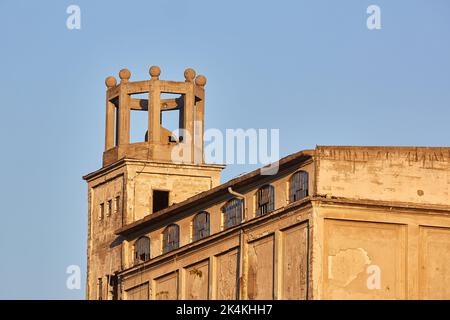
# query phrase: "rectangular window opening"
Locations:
[[100, 288], [139, 119], [101, 211], [160, 200], [171, 106], [109, 208], [115, 102], [117, 204]]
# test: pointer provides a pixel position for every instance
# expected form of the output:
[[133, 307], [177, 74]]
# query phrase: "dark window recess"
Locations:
[[113, 286], [101, 213], [171, 238], [100, 288], [298, 186], [232, 213], [201, 226], [142, 250], [117, 204], [264, 200], [160, 200]]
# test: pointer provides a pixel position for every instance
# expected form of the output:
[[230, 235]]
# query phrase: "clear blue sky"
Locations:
[[310, 68]]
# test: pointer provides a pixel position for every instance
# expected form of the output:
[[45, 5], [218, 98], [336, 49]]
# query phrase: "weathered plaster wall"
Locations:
[[401, 174], [133, 183], [384, 216], [373, 209], [182, 181], [104, 254], [263, 254], [407, 250], [281, 199]]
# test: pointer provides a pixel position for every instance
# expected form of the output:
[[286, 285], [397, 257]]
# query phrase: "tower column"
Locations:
[[188, 116], [200, 82], [110, 116], [154, 107], [124, 109]]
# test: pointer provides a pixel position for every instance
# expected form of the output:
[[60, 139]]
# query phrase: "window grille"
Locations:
[[298, 186], [200, 226], [232, 213], [142, 249], [171, 238], [264, 200]]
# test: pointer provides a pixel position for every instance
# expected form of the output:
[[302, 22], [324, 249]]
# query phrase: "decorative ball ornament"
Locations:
[[124, 75], [189, 74], [155, 71], [200, 80], [110, 82]]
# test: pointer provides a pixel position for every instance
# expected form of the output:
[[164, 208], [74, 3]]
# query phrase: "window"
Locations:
[[171, 238], [142, 249], [101, 211], [232, 213], [117, 204], [109, 208], [160, 200], [200, 226], [100, 289], [264, 200], [298, 186]]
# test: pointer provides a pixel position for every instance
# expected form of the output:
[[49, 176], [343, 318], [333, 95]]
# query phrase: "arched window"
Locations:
[[298, 186], [171, 238], [200, 226], [142, 249], [232, 213], [264, 200]]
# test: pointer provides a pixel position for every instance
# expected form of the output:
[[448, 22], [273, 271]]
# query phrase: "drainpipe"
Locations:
[[239, 287]]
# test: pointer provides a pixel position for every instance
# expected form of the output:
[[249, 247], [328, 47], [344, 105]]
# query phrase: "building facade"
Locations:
[[335, 222]]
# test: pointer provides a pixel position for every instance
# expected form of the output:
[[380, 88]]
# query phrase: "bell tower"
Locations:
[[159, 142], [140, 178]]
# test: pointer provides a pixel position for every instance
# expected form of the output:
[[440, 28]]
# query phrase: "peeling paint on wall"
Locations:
[[346, 265]]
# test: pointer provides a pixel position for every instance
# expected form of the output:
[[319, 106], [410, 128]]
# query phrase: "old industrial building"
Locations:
[[335, 222]]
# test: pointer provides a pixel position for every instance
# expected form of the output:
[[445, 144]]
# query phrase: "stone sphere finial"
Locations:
[[200, 80], [110, 82], [155, 71], [189, 74], [124, 75]]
